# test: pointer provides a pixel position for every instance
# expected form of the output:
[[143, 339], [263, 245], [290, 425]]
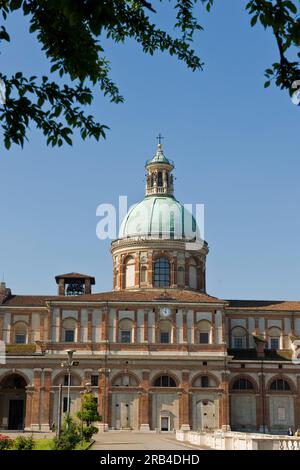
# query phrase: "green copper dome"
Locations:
[[159, 217]]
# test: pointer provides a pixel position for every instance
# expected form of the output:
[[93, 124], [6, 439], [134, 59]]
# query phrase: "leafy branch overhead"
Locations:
[[72, 33]]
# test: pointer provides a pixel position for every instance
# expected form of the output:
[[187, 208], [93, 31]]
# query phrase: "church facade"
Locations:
[[158, 351]]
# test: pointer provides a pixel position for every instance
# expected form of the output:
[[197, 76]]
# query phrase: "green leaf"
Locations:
[[267, 84], [254, 20], [15, 4]]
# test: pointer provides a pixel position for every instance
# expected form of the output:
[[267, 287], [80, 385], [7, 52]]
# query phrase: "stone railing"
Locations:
[[230, 440]]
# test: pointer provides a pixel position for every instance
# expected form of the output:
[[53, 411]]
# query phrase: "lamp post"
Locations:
[[68, 366]]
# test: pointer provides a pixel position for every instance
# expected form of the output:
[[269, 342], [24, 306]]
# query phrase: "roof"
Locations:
[[159, 157], [149, 295], [159, 217], [75, 276], [274, 305]]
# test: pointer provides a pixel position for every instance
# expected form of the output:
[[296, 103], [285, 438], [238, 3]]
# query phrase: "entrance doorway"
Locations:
[[165, 423], [12, 402], [16, 414]]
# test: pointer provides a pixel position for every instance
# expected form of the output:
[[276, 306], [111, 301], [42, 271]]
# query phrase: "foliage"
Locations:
[[69, 436], [72, 37], [5, 442], [89, 409], [20, 348], [89, 431], [24, 443]]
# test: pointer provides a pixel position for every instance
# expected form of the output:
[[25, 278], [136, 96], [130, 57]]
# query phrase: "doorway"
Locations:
[[165, 423], [16, 415]]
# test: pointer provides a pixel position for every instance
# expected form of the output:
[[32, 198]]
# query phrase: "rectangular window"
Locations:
[[164, 337], [20, 339], [94, 380], [65, 404], [274, 343], [66, 380], [204, 381], [204, 338], [125, 336], [238, 343], [69, 336]]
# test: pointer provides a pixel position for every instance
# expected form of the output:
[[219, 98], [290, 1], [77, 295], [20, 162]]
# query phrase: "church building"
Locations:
[[158, 351]]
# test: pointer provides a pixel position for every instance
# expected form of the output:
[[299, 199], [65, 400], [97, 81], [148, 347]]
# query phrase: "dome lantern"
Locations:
[[159, 174]]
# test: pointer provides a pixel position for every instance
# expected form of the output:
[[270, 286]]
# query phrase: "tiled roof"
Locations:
[[27, 300], [274, 305], [150, 295], [75, 276]]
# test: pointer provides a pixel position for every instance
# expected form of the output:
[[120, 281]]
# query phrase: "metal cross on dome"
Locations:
[[159, 138]]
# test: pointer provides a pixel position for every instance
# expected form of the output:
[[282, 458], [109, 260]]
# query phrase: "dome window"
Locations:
[[162, 272]]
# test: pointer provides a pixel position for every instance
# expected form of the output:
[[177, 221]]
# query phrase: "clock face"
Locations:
[[165, 311]]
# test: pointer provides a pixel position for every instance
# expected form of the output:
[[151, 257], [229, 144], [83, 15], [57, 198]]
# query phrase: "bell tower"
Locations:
[[160, 179]]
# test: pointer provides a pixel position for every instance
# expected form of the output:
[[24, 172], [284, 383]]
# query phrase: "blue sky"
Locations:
[[235, 145]]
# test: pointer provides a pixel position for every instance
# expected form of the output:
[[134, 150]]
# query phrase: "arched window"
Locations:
[[69, 330], [193, 274], [180, 276], [162, 272], [125, 331], [242, 384], [129, 272], [164, 381], [143, 274], [204, 381], [238, 338], [274, 337], [165, 331], [204, 332], [63, 379], [21, 333], [159, 179], [125, 380], [280, 385]]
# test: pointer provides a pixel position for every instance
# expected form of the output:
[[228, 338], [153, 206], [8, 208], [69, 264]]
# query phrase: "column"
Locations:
[[146, 327], [184, 325], [135, 329], [36, 419], [103, 399], [224, 403], [28, 410], [104, 329], [45, 424], [144, 405], [90, 326], [184, 397], [261, 405]]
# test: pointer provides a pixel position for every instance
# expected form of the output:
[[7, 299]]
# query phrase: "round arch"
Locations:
[[169, 374], [244, 377], [119, 375], [211, 376], [60, 377], [14, 372], [281, 377]]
